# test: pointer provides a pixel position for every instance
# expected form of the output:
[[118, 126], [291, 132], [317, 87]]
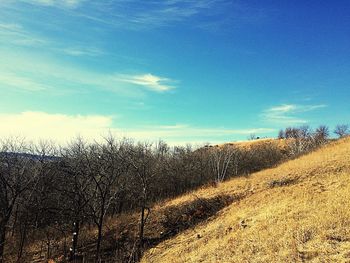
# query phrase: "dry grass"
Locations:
[[296, 212], [308, 220], [250, 143]]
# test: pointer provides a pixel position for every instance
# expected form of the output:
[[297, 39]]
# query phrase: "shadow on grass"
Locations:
[[163, 224], [179, 218]]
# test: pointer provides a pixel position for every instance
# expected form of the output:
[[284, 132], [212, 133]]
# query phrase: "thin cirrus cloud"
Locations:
[[10, 27], [36, 83], [81, 51], [47, 74], [148, 81], [289, 114], [126, 14], [43, 74], [61, 128], [57, 3], [18, 35], [156, 13], [136, 15], [15, 34], [22, 83]]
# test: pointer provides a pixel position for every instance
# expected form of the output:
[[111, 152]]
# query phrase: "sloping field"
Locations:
[[297, 212], [249, 143]]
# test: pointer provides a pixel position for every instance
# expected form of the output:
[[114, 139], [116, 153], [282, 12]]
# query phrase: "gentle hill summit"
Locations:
[[249, 143], [299, 211]]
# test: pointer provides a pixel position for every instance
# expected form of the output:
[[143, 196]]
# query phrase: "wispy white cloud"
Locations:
[[149, 81], [18, 35], [22, 73], [135, 14], [288, 114], [11, 27], [19, 82], [19, 71], [15, 34], [64, 127], [56, 3], [81, 51]]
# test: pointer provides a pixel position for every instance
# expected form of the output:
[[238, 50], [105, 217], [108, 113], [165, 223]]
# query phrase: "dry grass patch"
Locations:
[[296, 212], [307, 220]]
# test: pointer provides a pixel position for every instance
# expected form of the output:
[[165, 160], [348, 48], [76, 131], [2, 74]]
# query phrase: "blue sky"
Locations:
[[179, 70]]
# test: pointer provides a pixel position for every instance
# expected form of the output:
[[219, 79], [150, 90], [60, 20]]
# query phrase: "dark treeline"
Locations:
[[49, 193]]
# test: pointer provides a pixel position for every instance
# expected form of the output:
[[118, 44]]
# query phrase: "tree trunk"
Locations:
[[139, 247], [99, 238], [23, 236], [144, 217], [48, 243], [120, 207], [14, 222], [142, 225], [2, 240], [76, 229]]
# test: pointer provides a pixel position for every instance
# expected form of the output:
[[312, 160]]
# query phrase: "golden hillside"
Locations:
[[249, 143], [299, 211]]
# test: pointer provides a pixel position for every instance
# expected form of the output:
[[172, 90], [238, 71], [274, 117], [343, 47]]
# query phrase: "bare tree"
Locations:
[[291, 132], [281, 134], [106, 164], [221, 158], [321, 134], [252, 137], [144, 163], [92, 175], [342, 130], [17, 176], [305, 131], [36, 204], [74, 185]]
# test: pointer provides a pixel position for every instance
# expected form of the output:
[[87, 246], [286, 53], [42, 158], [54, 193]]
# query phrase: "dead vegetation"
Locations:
[[164, 222], [230, 214], [297, 212], [282, 182], [176, 219]]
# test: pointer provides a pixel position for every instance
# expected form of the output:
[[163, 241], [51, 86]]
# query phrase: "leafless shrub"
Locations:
[[342, 130]]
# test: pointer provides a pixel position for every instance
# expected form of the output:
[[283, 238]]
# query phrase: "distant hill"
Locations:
[[250, 143]]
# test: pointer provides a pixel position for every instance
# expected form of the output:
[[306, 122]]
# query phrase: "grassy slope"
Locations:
[[250, 142], [308, 220], [125, 227]]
